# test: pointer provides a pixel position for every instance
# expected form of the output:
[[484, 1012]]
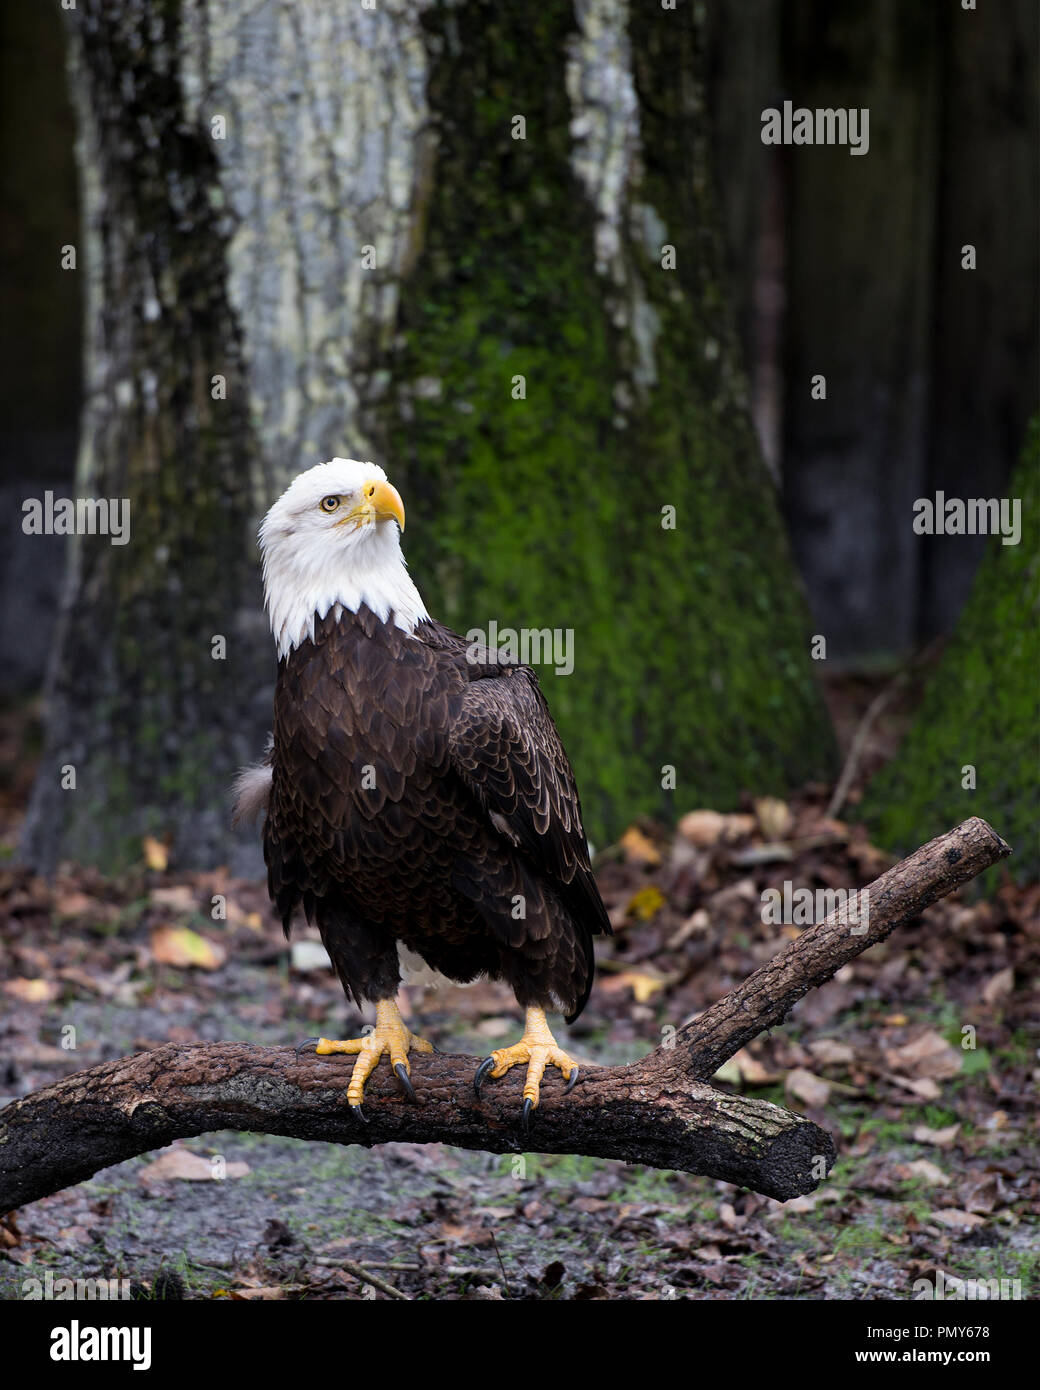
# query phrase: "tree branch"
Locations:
[[659, 1111], [766, 997]]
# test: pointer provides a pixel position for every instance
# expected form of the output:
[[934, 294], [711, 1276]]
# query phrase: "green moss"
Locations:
[[981, 708], [691, 645]]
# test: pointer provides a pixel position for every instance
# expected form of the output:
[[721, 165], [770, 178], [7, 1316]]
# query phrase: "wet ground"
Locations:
[[920, 1057]]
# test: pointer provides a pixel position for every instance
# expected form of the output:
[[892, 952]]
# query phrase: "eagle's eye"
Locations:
[[329, 504]]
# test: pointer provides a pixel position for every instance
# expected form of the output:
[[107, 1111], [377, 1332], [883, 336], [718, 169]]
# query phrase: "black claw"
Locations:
[[401, 1072], [359, 1111], [525, 1118], [486, 1065], [307, 1042], [573, 1080]]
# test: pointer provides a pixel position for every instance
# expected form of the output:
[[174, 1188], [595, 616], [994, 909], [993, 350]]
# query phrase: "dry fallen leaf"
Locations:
[[999, 986], [589, 1205], [639, 848], [928, 1055], [922, 1086], [807, 1087], [798, 1205], [922, 1168], [729, 1218], [309, 955], [645, 904], [72, 903], [10, 1235], [186, 1166], [156, 854], [495, 1027], [698, 924], [473, 1233], [31, 991], [728, 1073], [702, 828], [237, 916], [957, 1220], [774, 817], [178, 898], [184, 948], [828, 1052], [642, 985], [748, 1069], [981, 1193], [773, 853], [738, 826], [941, 1138], [864, 1142]]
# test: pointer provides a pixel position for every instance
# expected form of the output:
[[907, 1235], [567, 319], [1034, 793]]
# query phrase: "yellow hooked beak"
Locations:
[[380, 502]]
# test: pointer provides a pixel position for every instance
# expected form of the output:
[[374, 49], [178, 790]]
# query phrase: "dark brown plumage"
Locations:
[[420, 797]]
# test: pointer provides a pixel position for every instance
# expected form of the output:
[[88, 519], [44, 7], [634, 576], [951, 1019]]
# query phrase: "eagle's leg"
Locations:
[[539, 1050], [391, 1035]]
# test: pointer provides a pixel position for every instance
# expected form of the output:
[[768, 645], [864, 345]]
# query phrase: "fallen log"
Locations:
[[660, 1111]]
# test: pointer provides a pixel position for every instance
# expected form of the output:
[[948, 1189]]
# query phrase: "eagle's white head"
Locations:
[[334, 537]]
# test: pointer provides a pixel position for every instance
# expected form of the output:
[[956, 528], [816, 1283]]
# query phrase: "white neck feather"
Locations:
[[301, 584]]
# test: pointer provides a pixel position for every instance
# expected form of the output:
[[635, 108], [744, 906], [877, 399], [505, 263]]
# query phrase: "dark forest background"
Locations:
[[846, 266]]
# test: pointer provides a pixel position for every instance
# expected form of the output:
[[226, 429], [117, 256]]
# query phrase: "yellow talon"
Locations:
[[391, 1035], [539, 1050]]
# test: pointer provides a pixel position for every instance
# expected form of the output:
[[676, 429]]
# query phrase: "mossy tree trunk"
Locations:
[[326, 206], [549, 259], [972, 749]]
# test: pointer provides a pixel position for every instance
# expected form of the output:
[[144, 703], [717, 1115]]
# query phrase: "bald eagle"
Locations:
[[416, 788]]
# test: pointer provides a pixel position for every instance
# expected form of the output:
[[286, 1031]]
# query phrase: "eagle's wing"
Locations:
[[505, 747]]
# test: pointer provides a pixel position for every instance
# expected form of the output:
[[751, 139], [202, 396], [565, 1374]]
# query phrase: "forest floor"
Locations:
[[920, 1057]]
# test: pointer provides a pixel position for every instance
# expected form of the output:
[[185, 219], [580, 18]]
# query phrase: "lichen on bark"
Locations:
[[325, 107]]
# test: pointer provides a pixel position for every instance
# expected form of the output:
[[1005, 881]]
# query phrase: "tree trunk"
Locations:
[[326, 206], [931, 368], [146, 721], [972, 747], [860, 245], [985, 363]]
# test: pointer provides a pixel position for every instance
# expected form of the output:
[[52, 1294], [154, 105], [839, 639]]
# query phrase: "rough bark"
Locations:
[[659, 1111], [144, 712], [88, 1121]]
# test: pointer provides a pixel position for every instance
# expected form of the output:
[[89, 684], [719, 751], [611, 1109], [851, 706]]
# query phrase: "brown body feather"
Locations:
[[421, 797]]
